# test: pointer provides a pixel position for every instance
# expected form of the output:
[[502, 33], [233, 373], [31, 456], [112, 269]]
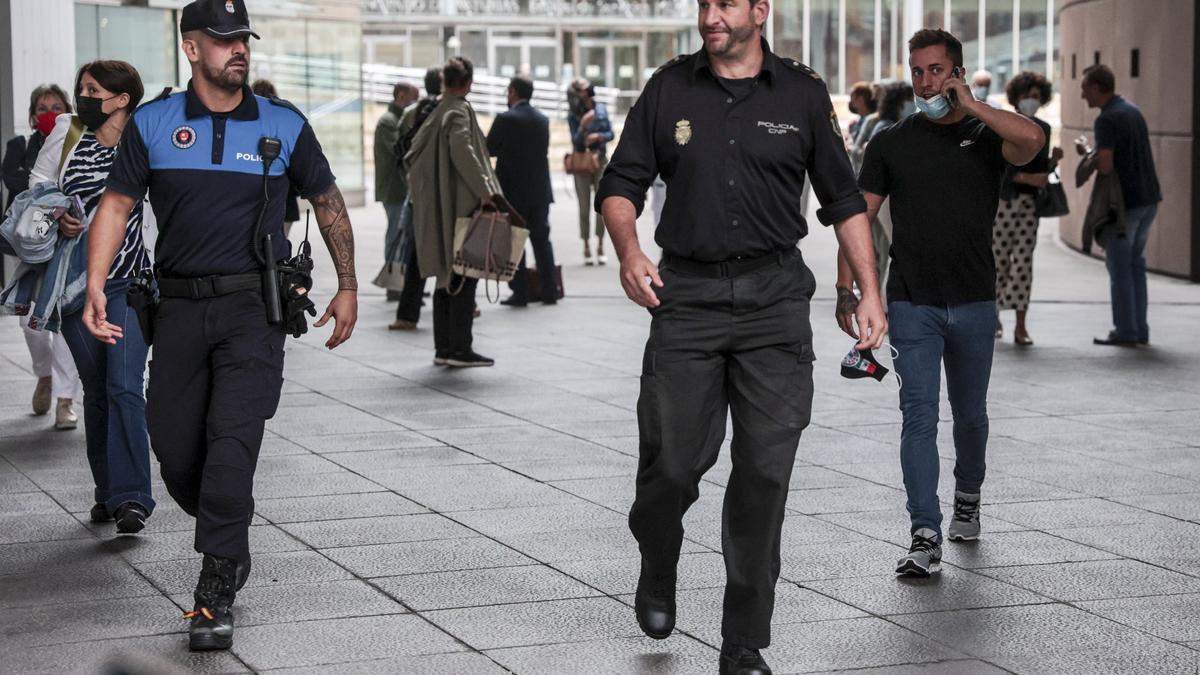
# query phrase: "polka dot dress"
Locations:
[[1013, 239]]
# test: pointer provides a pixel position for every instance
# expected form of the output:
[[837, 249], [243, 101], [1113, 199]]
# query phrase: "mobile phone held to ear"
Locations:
[[952, 94]]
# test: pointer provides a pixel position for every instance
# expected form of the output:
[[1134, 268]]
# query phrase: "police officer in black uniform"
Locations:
[[733, 130], [218, 161]]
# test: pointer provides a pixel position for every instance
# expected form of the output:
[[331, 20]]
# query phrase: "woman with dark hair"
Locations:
[[1015, 232], [52, 362], [897, 104], [78, 155]]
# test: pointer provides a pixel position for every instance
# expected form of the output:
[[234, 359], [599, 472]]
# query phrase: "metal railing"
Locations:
[[564, 9], [489, 94]]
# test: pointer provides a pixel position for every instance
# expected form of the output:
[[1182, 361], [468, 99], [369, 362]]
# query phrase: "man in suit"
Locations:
[[520, 141]]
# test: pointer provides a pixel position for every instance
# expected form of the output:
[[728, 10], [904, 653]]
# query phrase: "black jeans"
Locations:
[[453, 316], [543, 254], [409, 308], [717, 346], [215, 380]]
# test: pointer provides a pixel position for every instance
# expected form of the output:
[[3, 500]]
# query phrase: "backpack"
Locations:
[[403, 144]]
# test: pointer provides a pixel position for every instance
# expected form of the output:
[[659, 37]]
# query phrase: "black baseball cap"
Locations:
[[223, 19]]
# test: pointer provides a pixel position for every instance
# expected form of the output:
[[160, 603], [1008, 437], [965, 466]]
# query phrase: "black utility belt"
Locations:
[[728, 268], [200, 288]]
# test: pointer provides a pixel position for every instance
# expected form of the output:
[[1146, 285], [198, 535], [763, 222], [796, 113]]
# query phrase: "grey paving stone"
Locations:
[[849, 643], [678, 656], [456, 663], [372, 462], [159, 654], [537, 623], [853, 499], [291, 603], [893, 525], [486, 419], [1070, 513], [1018, 636], [72, 581], [180, 545], [341, 640], [1176, 545], [335, 507], [268, 569], [275, 446], [577, 515], [1173, 617], [471, 436], [619, 576], [614, 493], [33, 556], [418, 557], [952, 589], [378, 530], [376, 440], [474, 588], [297, 423], [1002, 549], [556, 447], [469, 487], [40, 527], [590, 544], [100, 619], [1096, 580], [603, 463], [838, 560], [955, 667], [291, 465], [341, 482], [1165, 658], [28, 504], [700, 610], [1181, 506]]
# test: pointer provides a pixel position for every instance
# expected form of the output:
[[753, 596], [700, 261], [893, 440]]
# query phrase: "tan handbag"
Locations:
[[391, 276], [489, 243], [586, 163]]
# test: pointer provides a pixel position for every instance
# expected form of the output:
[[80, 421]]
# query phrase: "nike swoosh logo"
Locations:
[[966, 143]]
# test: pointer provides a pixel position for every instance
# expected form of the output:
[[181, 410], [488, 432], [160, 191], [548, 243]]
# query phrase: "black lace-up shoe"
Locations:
[[924, 555], [99, 513], [212, 619], [131, 518], [654, 603], [739, 660]]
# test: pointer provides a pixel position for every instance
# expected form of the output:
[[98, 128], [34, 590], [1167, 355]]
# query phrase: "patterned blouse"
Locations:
[[84, 176]]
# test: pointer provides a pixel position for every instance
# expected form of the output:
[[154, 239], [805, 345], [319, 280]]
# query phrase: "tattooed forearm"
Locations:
[[334, 224]]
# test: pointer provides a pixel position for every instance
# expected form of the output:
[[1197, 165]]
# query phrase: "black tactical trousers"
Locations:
[[215, 379], [719, 344]]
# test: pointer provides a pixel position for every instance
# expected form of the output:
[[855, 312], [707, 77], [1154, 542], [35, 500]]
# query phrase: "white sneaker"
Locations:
[[602, 259], [64, 416], [589, 260]]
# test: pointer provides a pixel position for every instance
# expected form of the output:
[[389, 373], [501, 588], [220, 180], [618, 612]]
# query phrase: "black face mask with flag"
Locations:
[[862, 364]]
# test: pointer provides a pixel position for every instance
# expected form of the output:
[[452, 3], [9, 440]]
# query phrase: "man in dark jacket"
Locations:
[[520, 140]]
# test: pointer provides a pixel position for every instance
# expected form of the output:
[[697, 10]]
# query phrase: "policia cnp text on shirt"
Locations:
[[733, 130], [218, 361]]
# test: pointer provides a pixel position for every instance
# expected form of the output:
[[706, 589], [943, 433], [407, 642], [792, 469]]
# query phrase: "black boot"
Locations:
[[654, 603], [131, 518], [739, 660], [243, 573], [99, 513], [212, 618]]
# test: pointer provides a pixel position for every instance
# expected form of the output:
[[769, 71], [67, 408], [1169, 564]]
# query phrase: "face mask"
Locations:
[[1029, 106], [909, 108], [980, 92], [858, 364], [91, 112], [45, 122], [935, 107]]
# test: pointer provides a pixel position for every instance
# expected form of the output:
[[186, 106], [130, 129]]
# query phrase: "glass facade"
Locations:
[[847, 41], [314, 64]]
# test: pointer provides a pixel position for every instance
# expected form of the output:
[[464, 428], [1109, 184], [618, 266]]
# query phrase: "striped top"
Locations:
[[84, 175]]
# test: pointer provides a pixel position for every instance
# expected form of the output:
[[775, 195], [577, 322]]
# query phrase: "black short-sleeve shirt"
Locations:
[[944, 184], [734, 156], [205, 177]]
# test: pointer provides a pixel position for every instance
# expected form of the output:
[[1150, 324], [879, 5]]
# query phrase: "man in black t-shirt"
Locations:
[[942, 169]]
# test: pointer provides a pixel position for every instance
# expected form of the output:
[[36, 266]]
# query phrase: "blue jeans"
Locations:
[[393, 239], [963, 338], [1125, 256], [114, 402]]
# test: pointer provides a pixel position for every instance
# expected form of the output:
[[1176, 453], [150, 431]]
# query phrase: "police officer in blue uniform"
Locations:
[[218, 161], [734, 130]]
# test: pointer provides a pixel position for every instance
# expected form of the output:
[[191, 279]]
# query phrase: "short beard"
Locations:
[[739, 37], [225, 78]]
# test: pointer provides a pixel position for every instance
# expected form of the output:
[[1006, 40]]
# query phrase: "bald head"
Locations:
[[404, 94]]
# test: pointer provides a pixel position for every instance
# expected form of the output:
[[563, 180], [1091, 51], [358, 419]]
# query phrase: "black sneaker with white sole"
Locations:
[[131, 518], [468, 360], [440, 358], [924, 555]]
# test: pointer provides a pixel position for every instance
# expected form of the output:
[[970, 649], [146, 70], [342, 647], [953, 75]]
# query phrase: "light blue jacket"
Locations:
[[49, 290]]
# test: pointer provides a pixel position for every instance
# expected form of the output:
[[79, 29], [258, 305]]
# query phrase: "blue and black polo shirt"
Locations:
[[204, 175]]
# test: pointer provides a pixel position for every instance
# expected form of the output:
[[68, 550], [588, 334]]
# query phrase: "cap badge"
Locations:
[[683, 132], [184, 137], [229, 7]]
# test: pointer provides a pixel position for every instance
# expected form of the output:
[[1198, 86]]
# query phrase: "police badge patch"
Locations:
[[683, 132], [833, 121], [184, 137]]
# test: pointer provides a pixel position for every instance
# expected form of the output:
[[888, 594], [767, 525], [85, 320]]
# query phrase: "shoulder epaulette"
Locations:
[[282, 103], [162, 96], [800, 67], [672, 63]]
